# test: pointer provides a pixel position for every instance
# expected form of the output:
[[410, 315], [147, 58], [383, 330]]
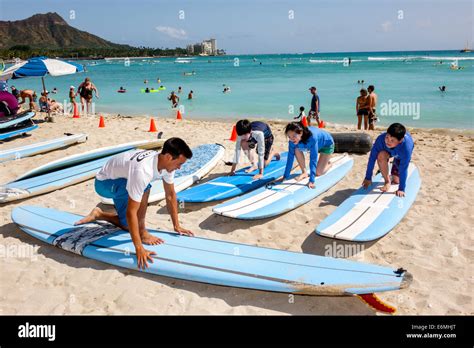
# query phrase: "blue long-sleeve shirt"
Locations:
[[319, 139], [403, 152]]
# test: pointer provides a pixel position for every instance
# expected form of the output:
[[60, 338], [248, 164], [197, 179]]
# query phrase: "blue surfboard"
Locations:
[[10, 121], [15, 131], [280, 197], [370, 214], [211, 261], [43, 181], [225, 187]]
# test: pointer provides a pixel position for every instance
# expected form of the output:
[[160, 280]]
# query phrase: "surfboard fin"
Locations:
[[373, 301]]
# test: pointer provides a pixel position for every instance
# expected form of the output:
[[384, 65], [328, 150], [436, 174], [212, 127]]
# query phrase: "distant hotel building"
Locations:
[[205, 48]]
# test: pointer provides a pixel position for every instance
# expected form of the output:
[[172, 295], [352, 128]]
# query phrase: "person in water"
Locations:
[[126, 179], [252, 135], [396, 142], [317, 141], [190, 95], [180, 89], [85, 90], [442, 88], [174, 99], [362, 109], [372, 106], [301, 115], [147, 90]]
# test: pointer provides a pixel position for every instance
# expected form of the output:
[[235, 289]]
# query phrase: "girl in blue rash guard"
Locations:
[[396, 142], [308, 138]]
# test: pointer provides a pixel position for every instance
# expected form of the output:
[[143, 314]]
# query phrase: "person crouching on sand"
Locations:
[[396, 142], [316, 141], [256, 135], [126, 179]]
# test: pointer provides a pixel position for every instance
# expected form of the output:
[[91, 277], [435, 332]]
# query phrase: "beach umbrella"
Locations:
[[40, 67]]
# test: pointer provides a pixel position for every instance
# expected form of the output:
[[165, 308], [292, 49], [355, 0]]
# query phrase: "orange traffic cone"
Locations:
[[321, 124], [178, 115], [304, 121], [76, 112], [101, 122], [233, 136], [152, 126]]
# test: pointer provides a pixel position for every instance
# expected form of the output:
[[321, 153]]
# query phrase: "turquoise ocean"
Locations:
[[275, 86]]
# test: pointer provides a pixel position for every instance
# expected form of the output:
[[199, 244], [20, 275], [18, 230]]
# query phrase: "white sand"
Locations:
[[433, 241]]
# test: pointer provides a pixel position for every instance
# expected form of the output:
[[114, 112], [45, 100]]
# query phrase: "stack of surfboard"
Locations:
[[16, 125]]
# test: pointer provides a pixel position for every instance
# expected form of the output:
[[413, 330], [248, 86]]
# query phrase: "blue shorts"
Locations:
[[116, 189]]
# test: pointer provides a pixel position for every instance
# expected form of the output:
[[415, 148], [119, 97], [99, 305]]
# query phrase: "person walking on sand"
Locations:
[[254, 135], [315, 140], [126, 179], [396, 142], [85, 90], [315, 106], [174, 99], [372, 107], [362, 109]]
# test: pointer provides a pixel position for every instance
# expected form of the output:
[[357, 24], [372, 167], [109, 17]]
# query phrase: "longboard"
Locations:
[[211, 261], [370, 214], [281, 197]]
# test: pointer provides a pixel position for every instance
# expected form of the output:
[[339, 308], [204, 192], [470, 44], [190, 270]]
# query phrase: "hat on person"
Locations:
[[72, 87]]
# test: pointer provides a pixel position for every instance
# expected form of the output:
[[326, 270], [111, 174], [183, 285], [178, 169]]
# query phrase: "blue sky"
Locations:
[[267, 26]]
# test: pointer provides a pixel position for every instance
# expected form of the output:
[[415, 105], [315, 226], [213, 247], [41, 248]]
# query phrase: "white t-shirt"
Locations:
[[139, 167], [260, 137]]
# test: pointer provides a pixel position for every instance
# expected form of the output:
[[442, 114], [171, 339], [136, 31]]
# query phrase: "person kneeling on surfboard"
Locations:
[[316, 141], [126, 179], [396, 142], [254, 135]]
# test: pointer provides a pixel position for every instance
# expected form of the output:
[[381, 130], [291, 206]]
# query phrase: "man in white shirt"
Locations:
[[126, 179]]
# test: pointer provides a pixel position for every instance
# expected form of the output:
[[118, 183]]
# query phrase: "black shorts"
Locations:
[[363, 112], [268, 146]]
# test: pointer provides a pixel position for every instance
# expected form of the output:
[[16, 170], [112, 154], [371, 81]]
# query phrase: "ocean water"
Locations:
[[406, 83]]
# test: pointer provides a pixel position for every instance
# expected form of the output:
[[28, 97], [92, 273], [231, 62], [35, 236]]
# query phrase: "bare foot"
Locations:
[[302, 176], [93, 215], [251, 169], [147, 238], [385, 187]]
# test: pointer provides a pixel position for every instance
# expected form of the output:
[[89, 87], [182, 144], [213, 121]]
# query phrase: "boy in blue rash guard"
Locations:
[[252, 135], [313, 139], [396, 143]]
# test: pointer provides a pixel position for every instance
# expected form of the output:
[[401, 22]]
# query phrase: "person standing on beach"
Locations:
[[362, 109], [315, 106], [126, 178], [301, 115], [315, 140], [254, 135], [396, 142], [85, 90], [372, 107], [174, 99], [31, 95], [72, 97]]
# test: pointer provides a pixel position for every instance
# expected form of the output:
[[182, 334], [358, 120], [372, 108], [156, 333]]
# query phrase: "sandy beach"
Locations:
[[434, 241]]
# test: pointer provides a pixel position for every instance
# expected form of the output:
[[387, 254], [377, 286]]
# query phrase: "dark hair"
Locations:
[[298, 127], [397, 130], [176, 147], [243, 127], [371, 88], [301, 108]]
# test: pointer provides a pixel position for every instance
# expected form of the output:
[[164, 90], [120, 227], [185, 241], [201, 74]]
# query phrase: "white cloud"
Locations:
[[387, 26], [175, 33]]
